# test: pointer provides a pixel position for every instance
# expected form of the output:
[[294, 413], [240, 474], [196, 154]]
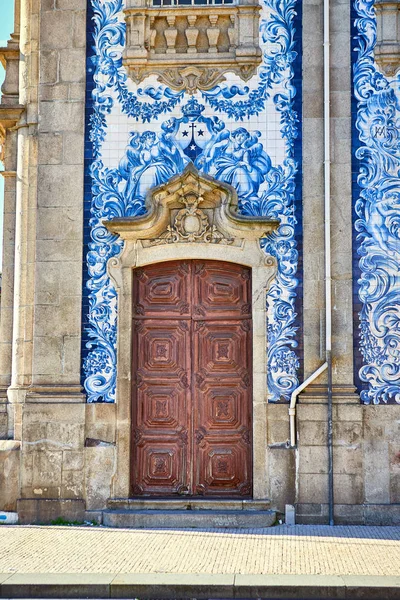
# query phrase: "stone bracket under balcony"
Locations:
[[192, 47]]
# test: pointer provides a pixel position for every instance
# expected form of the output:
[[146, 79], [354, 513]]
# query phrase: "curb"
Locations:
[[148, 586]]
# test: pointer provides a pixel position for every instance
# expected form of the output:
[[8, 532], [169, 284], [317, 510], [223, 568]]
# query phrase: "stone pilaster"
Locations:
[[341, 215], [313, 194], [59, 233], [10, 113], [313, 187]]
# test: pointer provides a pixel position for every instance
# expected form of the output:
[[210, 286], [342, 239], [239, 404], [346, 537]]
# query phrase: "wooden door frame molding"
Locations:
[[168, 232]]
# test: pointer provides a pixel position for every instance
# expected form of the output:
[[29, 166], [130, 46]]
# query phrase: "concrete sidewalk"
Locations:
[[280, 562]]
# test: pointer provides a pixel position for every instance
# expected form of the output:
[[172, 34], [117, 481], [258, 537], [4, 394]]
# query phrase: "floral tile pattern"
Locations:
[[376, 206], [244, 135]]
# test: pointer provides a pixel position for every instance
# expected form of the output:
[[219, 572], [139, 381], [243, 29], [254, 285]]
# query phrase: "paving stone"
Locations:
[[283, 550]]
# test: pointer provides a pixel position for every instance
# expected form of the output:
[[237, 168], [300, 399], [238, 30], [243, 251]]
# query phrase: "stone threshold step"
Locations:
[[186, 504], [150, 586], [189, 519]]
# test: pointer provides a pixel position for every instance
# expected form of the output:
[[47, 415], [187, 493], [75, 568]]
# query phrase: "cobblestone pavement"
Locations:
[[308, 550]]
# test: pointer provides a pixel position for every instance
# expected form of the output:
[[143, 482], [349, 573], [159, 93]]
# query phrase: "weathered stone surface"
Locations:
[[9, 474], [32, 510], [376, 469], [99, 470]]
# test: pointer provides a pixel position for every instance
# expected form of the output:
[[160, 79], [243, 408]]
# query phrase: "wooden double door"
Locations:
[[192, 387]]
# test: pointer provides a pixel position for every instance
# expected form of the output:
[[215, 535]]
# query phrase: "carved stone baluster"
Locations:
[[192, 34], [232, 33], [171, 35], [213, 34], [153, 34], [160, 42]]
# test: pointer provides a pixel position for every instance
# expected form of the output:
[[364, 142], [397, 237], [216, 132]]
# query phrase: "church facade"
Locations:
[[201, 289]]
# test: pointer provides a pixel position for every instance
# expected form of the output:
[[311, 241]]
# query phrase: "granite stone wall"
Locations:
[[89, 144]]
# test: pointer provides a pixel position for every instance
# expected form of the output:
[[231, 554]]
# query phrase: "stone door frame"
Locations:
[[145, 244]]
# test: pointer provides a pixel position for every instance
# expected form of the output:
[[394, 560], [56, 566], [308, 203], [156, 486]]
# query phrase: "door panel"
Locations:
[[162, 290], [221, 349], [221, 290], [192, 405], [160, 406]]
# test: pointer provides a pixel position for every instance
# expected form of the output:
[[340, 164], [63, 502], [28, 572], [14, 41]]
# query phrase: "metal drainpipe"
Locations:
[[328, 271], [328, 275]]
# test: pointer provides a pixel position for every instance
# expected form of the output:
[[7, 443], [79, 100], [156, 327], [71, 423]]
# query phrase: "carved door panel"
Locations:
[[222, 372], [161, 386], [192, 385]]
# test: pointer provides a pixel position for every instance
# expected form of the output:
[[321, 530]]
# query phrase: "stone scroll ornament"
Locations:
[[377, 216], [198, 135]]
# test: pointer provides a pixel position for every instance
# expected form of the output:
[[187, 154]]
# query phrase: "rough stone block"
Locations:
[[61, 116], [59, 185], [313, 459], [3, 421], [73, 65], [314, 412], [277, 412], [73, 148], [76, 92], [71, 4], [62, 251], [44, 437], [347, 514], [281, 465], [53, 92], [348, 489], [278, 432], [71, 363], [376, 472], [79, 33], [46, 472], [99, 470], [49, 67], [9, 474], [63, 319], [56, 29], [47, 355], [382, 514], [348, 412], [313, 488], [347, 433], [348, 460], [50, 148], [73, 460], [33, 510], [72, 484], [101, 422], [312, 514], [313, 433]]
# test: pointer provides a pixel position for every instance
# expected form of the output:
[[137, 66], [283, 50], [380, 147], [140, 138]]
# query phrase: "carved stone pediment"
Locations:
[[192, 47], [192, 208]]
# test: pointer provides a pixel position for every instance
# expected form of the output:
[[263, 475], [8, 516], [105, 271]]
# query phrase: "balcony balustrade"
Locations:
[[191, 45]]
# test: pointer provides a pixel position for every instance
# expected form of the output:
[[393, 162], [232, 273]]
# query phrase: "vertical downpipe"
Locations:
[[328, 272]]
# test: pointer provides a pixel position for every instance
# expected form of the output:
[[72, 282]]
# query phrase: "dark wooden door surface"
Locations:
[[192, 400]]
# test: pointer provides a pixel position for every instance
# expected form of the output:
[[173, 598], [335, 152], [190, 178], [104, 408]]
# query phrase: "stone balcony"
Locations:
[[191, 47], [387, 49]]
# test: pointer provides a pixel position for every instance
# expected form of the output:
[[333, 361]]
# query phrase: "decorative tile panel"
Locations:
[[376, 197], [139, 136]]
